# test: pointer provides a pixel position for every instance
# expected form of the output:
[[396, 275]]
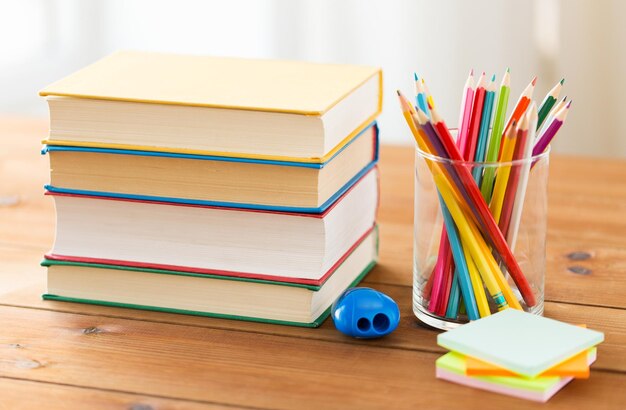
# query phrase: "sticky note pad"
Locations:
[[521, 342]]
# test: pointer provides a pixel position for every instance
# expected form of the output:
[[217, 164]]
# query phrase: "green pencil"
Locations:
[[496, 135], [549, 102]]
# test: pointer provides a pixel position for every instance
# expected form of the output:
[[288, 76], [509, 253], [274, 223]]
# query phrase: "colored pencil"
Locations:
[[520, 195], [477, 285], [499, 188], [420, 96], [486, 187], [461, 273], [521, 144], [439, 284], [466, 111], [454, 301], [493, 269], [479, 209], [557, 107], [469, 149], [548, 102], [448, 273], [520, 107], [544, 139], [483, 133]]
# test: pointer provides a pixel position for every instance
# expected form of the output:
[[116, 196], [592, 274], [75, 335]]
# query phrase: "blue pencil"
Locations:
[[452, 312], [420, 96], [461, 266], [483, 134]]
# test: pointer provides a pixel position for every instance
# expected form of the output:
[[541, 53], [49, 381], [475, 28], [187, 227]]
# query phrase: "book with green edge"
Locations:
[[218, 296]]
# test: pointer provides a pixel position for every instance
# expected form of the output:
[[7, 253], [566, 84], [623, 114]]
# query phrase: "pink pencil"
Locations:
[[466, 111]]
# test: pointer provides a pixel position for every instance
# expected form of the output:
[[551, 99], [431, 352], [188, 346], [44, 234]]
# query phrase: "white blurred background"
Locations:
[[584, 41]]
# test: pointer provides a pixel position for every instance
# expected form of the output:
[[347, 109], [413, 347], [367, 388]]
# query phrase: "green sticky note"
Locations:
[[521, 342]]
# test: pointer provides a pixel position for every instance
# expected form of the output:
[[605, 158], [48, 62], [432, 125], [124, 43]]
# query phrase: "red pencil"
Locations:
[[480, 210], [434, 304], [468, 150]]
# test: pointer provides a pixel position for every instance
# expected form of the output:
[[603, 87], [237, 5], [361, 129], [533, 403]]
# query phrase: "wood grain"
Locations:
[[18, 395], [203, 364]]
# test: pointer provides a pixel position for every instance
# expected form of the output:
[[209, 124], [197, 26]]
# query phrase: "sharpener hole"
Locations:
[[363, 324], [381, 322]]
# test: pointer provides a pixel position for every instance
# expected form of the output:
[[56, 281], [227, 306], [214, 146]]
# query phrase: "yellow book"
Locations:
[[279, 110]]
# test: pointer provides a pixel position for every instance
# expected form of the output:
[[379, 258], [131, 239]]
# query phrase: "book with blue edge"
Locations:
[[249, 198]]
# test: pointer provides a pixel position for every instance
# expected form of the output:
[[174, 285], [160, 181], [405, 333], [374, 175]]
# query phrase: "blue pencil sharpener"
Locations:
[[365, 313]]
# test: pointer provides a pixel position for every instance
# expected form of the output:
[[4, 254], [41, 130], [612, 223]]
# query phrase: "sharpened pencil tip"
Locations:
[[399, 93], [534, 81], [483, 73], [415, 76], [493, 78], [569, 103], [508, 70], [472, 71], [564, 99], [562, 81]]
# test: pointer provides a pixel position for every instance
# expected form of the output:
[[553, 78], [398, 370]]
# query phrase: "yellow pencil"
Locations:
[[477, 284], [478, 255], [502, 176], [421, 139], [497, 272]]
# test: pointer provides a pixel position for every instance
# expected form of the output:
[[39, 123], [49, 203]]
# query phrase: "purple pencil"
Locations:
[[544, 139]]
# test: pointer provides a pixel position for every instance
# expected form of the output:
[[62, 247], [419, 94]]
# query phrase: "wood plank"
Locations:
[[243, 368], [18, 395], [410, 335]]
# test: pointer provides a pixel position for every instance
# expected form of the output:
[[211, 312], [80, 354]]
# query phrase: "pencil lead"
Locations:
[[472, 72], [483, 73], [569, 104], [493, 78], [534, 81], [564, 98], [562, 81], [399, 93], [415, 76], [508, 70]]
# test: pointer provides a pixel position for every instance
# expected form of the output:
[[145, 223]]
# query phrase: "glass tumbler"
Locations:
[[458, 274]]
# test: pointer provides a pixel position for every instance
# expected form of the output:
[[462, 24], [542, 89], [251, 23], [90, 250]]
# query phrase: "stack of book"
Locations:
[[518, 354], [213, 186]]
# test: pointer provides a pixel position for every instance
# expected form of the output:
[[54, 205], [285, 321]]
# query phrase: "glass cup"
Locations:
[[516, 193]]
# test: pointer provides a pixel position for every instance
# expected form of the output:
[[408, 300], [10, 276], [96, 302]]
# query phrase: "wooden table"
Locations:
[[55, 354]]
